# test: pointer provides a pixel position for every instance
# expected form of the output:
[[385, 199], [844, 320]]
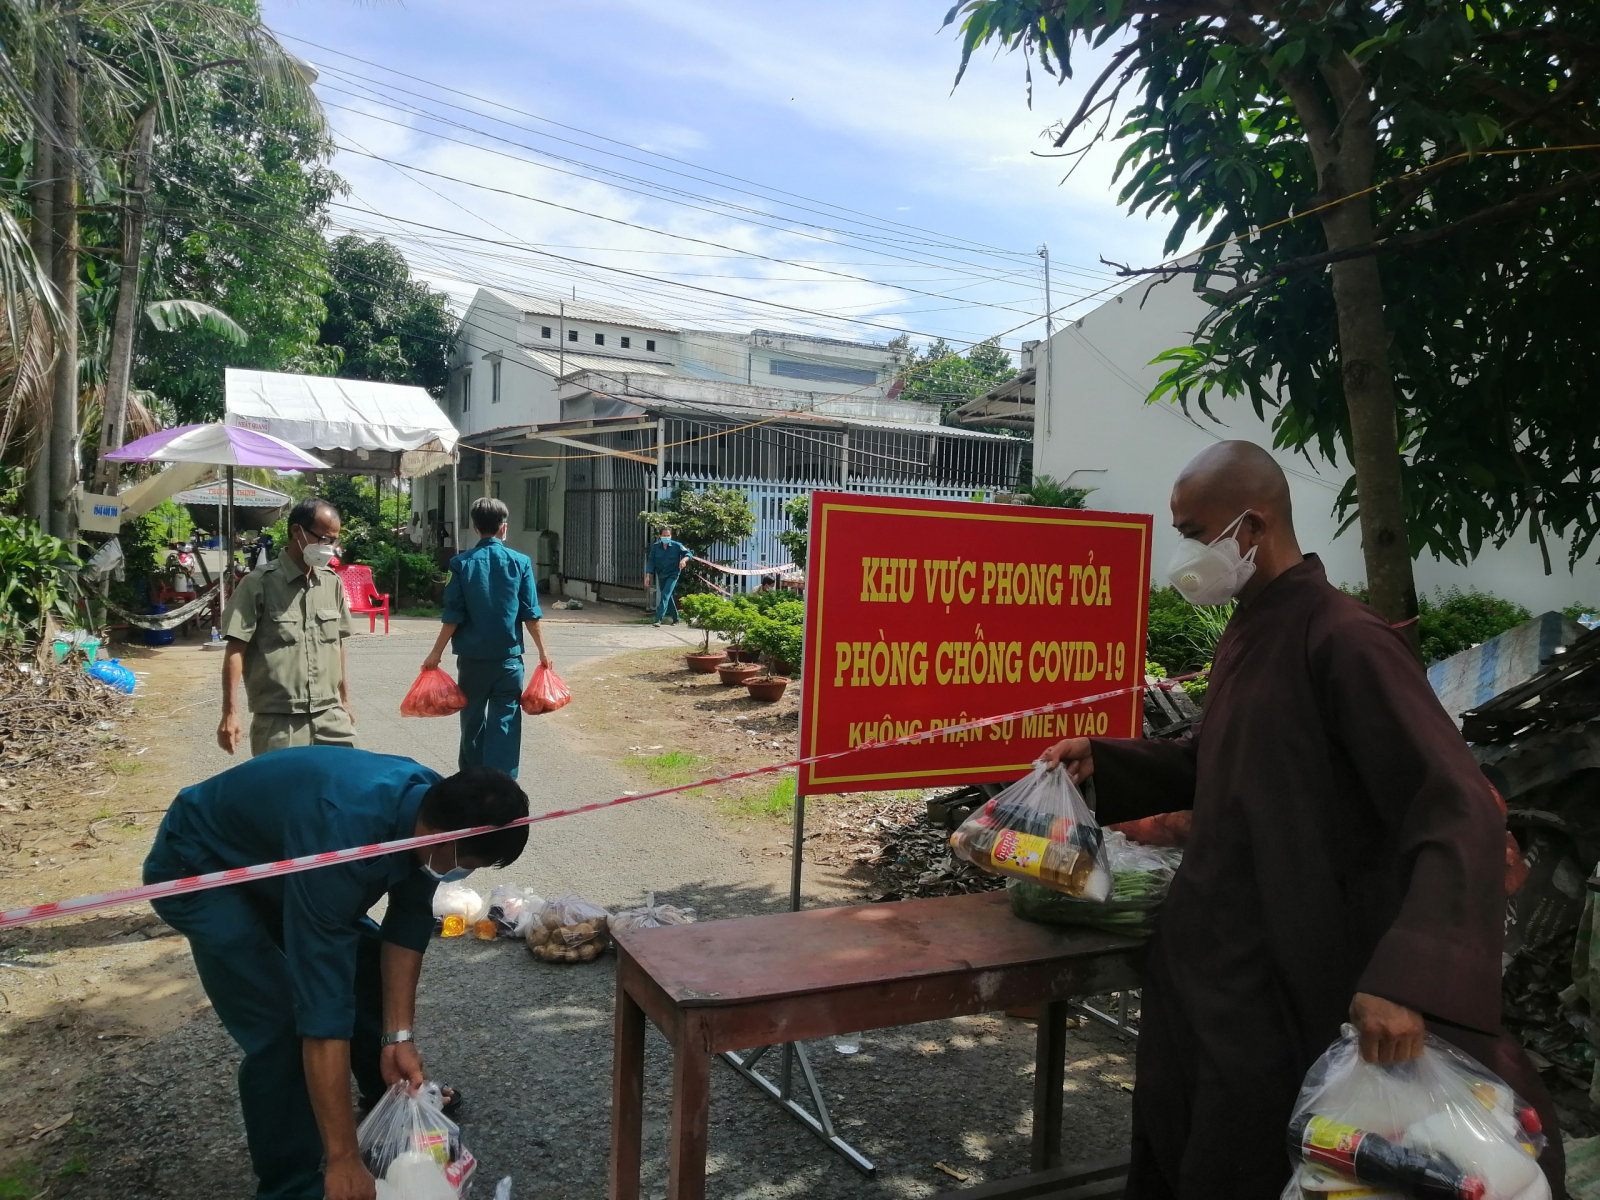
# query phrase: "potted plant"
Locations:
[[766, 688], [735, 673], [705, 613], [779, 635]]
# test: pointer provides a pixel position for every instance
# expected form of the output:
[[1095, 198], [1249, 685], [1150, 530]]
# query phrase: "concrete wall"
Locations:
[[527, 395], [1094, 429]]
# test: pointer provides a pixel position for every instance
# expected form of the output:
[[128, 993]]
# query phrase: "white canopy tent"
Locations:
[[359, 427]]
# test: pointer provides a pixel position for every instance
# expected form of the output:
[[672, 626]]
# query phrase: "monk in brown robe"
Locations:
[[1345, 862]]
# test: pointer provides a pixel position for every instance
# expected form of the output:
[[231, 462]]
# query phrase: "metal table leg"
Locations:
[[821, 1123]]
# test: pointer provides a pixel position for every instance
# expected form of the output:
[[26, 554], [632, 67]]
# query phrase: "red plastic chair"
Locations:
[[363, 597]]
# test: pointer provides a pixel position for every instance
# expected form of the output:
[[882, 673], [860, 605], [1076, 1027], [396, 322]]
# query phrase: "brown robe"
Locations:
[[1343, 841]]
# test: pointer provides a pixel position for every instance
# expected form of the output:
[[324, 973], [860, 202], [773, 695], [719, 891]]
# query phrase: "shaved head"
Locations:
[[1240, 476], [1238, 481]]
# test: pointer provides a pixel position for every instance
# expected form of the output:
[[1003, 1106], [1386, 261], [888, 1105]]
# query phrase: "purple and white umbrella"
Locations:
[[218, 445]]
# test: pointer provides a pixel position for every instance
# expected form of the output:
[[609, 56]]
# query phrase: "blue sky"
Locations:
[[847, 105]]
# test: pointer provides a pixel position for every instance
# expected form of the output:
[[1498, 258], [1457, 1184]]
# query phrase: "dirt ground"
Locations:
[[77, 997]]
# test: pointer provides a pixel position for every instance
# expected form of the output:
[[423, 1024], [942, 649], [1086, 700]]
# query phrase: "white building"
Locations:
[[1095, 429], [580, 416]]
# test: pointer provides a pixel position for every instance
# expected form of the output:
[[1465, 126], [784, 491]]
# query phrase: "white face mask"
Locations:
[[1211, 574], [317, 555]]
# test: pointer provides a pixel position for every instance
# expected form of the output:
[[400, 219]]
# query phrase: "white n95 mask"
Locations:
[[318, 555], [1211, 574]]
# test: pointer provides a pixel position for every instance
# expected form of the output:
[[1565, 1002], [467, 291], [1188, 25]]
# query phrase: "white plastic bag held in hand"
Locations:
[[1440, 1127], [1039, 829], [412, 1149]]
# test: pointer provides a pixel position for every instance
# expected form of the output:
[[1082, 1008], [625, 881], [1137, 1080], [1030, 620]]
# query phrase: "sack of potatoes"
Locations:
[[570, 930]]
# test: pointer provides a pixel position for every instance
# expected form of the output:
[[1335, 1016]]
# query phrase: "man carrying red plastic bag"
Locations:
[[489, 601]]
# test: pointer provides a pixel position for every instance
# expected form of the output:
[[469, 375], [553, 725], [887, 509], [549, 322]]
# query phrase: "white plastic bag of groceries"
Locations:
[[412, 1149], [1039, 829], [1439, 1127]]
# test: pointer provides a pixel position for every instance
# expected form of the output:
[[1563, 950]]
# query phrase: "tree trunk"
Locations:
[[125, 323], [64, 461], [42, 235], [1374, 429]]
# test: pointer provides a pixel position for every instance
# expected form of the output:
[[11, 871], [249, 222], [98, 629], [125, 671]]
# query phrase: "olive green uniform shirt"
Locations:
[[292, 625]]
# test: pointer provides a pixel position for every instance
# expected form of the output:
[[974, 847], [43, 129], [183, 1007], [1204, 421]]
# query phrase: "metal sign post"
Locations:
[[821, 1122]]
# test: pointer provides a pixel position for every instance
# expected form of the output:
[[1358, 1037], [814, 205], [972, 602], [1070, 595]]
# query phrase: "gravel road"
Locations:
[[530, 1043]]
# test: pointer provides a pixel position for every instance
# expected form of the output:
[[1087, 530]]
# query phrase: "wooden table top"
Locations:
[[792, 954]]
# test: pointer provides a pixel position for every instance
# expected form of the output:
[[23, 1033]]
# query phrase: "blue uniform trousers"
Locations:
[[665, 586], [491, 723], [237, 942]]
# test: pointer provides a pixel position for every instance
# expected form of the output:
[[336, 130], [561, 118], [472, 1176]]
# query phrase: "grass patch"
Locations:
[[78, 1164], [418, 610], [106, 813], [669, 769], [17, 1182], [775, 802], [123, 766]]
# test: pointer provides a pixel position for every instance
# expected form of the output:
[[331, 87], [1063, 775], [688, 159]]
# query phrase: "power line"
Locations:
[[978, 246]]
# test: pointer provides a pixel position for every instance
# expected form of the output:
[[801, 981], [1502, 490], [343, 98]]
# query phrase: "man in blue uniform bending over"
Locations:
[[302, 979], [489, 600], [662, 562]]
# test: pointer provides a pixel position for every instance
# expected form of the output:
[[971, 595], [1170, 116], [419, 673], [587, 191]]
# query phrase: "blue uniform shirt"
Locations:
[[305, 801], [490, 595], [663, 558]]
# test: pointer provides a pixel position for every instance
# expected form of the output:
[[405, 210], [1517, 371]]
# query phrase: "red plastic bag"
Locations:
[[434, 694], [545, 692]]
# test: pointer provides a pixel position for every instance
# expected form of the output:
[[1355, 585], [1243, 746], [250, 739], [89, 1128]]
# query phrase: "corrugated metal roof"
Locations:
[[578, 310], [711, 411], [602, 365]]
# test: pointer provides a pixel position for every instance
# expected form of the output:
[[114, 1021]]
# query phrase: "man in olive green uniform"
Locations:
[[285, 627]]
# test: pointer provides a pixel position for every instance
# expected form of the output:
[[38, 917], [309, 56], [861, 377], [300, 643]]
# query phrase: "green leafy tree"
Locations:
[[1413, 237], [238, 209], [937, 374], [795, 539], [385, 325]]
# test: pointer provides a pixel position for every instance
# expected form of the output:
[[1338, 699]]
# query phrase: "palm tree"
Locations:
[[87, 84]]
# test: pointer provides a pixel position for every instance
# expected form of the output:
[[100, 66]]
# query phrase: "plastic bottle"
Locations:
[[1374, 1160]]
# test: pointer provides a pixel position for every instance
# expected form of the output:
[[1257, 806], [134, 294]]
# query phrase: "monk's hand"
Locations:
[[1390, 1032], [347, 1178], [1076, 753], [402, 1063]]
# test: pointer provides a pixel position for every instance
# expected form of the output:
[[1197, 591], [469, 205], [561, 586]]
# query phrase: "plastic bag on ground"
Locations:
[[1140, 876], [513, 909], [457, 907], [545, 692], [1440, 1127], [434, 694], [570, 930], [652, 916], [412, 1149], [1039, 829]]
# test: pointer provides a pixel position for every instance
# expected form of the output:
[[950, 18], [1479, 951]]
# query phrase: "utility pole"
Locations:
[[1041, 396]]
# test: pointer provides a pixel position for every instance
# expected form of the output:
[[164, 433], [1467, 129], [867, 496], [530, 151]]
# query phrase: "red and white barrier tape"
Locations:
[[309, 862], [778, 570]]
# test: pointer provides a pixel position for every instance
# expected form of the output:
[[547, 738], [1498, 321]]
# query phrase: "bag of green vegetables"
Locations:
[[1139, 878]]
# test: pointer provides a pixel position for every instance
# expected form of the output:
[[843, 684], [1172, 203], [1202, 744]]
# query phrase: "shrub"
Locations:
[[418, 572], [1454, 620], [1047, 492], [1182, 637], [38, 576], [779, 634], [705, 612]]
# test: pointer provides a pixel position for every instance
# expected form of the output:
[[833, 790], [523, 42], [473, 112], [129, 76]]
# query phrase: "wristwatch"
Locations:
[[398, 1036]]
